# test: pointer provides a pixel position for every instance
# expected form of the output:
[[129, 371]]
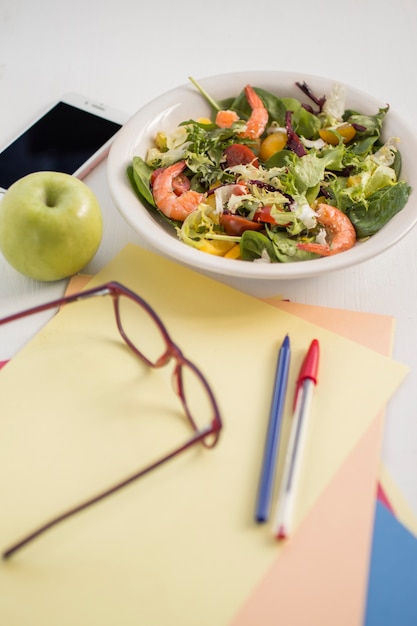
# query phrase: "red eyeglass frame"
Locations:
[[207, 436]]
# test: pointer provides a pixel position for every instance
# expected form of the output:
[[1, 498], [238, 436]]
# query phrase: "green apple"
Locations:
[[50, 225]]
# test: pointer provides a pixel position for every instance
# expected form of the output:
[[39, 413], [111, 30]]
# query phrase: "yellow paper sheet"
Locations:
[[376, 333], [342, 572], [180, 546]]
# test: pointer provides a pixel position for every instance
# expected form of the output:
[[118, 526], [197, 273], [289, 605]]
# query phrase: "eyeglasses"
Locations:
[[146, 335]]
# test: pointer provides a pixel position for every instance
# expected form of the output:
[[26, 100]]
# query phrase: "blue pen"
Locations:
[[274, 428]]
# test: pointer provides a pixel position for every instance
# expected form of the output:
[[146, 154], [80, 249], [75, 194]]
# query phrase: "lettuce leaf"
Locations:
[[370, 215]]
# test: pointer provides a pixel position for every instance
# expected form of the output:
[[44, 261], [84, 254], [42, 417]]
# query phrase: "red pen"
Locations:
[[306, 381]]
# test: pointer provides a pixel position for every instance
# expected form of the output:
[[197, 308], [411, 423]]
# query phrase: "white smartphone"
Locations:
[[72, 137]]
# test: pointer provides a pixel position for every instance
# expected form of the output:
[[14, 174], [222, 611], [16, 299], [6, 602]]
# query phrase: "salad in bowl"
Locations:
[[265, 176], [273, 178]]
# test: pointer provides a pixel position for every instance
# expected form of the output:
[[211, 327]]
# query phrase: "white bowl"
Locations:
[[185, 102]]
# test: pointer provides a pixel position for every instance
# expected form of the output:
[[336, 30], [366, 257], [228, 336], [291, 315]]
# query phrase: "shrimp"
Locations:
[[225, 118], [174, 206], [338, 226], [257, 121]]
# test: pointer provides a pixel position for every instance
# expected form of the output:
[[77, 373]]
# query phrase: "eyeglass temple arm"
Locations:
[[198, 436], [102, 290]]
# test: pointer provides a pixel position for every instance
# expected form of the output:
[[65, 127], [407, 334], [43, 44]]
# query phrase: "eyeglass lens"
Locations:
[[144, 335], [196, 398], [140, 329]]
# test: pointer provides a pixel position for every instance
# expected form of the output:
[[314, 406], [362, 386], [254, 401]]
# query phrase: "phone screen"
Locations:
[[62, 140]]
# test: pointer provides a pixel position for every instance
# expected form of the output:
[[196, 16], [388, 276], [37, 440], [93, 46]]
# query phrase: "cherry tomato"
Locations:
[[239, 154], [156, 173], [235, 225], [263, 214], [180, 183]]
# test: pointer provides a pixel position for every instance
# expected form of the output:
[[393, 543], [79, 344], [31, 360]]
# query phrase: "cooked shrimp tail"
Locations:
[[339, 229], [174, 206], [258, 119]]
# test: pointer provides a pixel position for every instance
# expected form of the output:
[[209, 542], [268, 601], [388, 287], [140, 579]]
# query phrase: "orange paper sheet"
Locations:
[[321, 578]]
